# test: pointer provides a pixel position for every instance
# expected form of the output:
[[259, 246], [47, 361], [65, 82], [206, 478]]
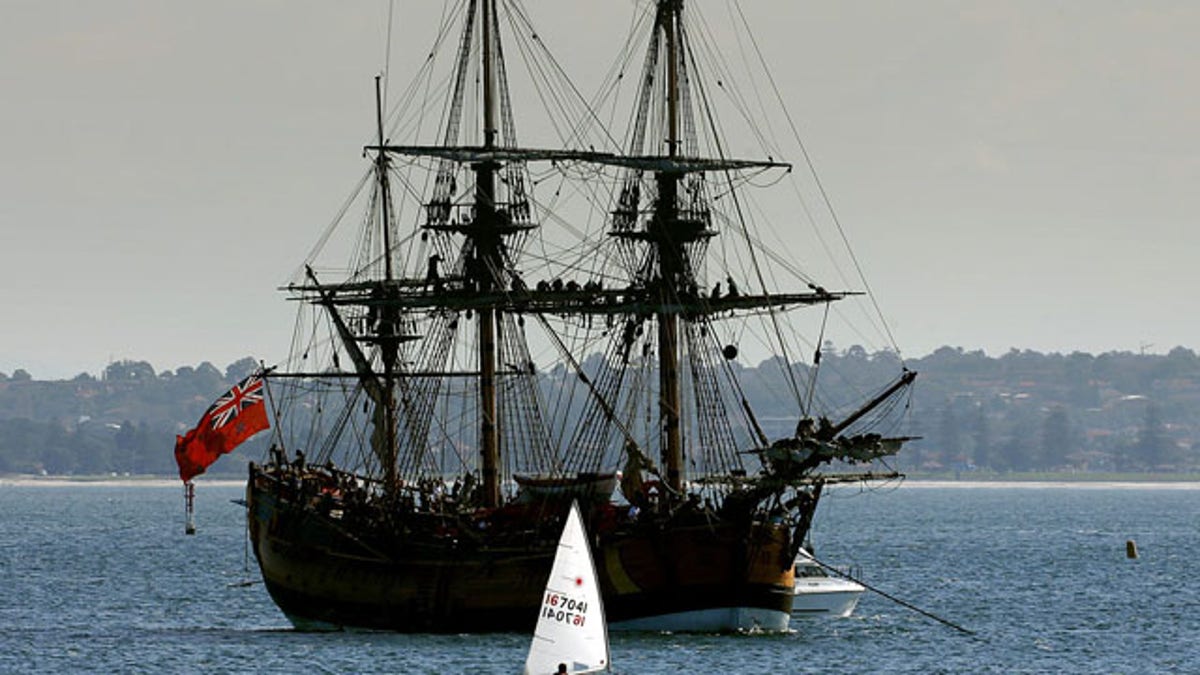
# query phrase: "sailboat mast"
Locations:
[[487, 258], [670, 260]]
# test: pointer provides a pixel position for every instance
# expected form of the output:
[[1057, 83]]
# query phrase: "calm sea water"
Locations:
[[101, 578]]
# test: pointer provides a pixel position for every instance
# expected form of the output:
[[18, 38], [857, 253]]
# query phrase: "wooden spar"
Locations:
[[388, 325], [658, 163], [669, 404], [670, 261], [619, 301], [489, 78], [489, 441], [487, 258], [670, 24], [381, 165], [905, 380]]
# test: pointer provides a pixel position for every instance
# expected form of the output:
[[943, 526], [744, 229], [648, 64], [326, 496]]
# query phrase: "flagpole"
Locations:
[[234, 417], [189, 499]]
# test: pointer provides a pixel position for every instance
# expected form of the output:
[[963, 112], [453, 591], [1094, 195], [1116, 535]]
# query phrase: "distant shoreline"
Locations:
[[29, 480], [1043, 481], [1045, 484]]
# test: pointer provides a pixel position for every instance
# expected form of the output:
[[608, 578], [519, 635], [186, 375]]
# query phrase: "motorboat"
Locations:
[[819, 593]]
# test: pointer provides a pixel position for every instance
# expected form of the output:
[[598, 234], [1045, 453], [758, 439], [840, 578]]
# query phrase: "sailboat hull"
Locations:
[[688, 577]]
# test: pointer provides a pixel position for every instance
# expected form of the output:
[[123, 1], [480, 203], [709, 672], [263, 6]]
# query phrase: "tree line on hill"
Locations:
[[1022, 411]]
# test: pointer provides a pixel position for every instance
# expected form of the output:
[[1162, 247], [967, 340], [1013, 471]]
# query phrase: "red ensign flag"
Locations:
[[234, 417]]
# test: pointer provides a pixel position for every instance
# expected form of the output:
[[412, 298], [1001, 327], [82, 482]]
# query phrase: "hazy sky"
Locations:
[[1015, 173]]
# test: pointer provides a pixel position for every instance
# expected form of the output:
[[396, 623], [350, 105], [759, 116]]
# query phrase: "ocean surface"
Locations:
[[102, 578]]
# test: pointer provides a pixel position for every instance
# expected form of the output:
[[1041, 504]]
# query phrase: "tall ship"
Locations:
[[522, 327]]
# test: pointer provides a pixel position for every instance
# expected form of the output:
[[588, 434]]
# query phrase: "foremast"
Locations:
[[479, 269], [384, 329], [389, 341]]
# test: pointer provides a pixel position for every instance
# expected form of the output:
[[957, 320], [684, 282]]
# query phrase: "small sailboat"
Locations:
[[571, 630]]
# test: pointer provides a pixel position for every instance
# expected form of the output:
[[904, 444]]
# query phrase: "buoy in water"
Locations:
[[189, 500], [1131, 549]]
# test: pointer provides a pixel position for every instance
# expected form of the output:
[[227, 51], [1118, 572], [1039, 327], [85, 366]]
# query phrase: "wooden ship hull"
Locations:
[[684, 575]]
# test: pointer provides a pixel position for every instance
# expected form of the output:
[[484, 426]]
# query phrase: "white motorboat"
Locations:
[[820, 594]]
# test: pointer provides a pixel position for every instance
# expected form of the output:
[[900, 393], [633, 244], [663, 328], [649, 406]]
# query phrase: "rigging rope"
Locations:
[[820, 186], [744, 230], [387, 51], [891, 597]]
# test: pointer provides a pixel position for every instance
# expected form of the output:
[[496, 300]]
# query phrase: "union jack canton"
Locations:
[[244, 394]]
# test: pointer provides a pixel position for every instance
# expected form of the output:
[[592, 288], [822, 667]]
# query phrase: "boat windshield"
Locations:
[[807, 569]]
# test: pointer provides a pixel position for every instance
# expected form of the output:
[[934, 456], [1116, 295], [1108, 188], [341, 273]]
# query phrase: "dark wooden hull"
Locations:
[[660, 576]]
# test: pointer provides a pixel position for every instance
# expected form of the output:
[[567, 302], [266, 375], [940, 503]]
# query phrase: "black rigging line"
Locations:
[[893, 598], [820, 186], [518, 12], [706, 103]]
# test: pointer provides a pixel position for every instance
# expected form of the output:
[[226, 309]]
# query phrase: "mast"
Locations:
[[670, 260], [381, 165], [389, 324], [486, 259]]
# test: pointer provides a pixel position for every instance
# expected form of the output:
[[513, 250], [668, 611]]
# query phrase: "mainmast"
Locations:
[[480, 270], [670, 258]]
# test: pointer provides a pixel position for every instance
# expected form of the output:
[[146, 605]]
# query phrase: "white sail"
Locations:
[[570, 626]]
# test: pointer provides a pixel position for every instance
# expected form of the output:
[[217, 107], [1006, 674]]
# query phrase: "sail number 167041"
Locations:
[[564, 609]]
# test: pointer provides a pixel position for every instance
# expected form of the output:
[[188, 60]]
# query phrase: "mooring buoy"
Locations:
[[1131, 549], [189, 500]]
